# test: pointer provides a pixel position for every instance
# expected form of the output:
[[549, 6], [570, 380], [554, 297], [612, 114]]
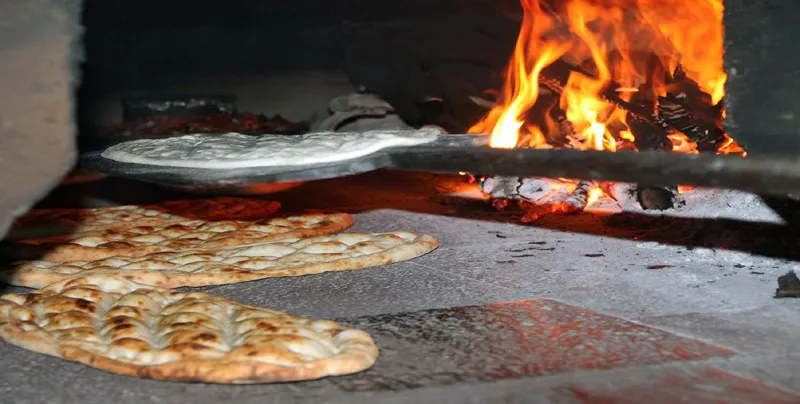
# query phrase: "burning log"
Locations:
[[515, 188], [623, 193], [647, 135], [651, 119], [576, 202], [646, 197], [672, 113], [689, 110], [579, 197], [534, 191], [566, 130]]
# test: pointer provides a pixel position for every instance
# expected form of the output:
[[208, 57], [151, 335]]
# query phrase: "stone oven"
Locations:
[[624, 201]]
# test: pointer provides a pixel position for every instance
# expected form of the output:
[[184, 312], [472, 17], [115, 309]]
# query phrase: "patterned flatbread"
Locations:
[[48, 222], [285, 257], [113, 324], [173, 236]]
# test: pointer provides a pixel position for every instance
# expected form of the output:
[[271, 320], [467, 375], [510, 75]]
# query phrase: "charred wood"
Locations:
[[788, 285], [648, 136], [642, 114], [579, 197], [515, 188], [623, 193], [706, 134], [574, 203], [566, 132], [690, 110], [694, 98], [657, 197]]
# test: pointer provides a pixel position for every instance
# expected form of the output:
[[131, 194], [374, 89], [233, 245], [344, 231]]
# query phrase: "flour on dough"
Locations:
[[235, 150]]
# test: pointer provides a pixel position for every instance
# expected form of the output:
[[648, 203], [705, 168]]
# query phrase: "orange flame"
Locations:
[[634, 44], [594, 195]]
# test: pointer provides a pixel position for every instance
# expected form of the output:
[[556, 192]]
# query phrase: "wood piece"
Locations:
[[579, 197], [657, 197], [516, 188], [706, 134], [623, 193], [574, 203], [554, 78], [648, 136], [788, 285], [689, 109]]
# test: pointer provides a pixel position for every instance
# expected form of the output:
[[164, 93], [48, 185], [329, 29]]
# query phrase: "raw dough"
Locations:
[[235, 150]]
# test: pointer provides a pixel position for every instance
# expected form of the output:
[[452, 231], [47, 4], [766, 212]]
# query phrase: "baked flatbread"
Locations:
[[123, 327], [235, 150], [285, 257], [174, 236], [49, 222]]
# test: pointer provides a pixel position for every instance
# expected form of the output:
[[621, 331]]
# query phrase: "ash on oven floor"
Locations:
[[508, 340]]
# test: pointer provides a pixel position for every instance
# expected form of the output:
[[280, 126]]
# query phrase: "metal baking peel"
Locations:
[[470, 153]]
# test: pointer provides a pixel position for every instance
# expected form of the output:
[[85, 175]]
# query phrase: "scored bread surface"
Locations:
[[174, 236], [113, 324], [284, 257], [46, 222]]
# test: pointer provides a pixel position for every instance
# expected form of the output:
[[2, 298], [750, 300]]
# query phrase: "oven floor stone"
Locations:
[[574, 309]]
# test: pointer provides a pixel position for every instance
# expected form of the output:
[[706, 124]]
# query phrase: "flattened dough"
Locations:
[[235, 150]]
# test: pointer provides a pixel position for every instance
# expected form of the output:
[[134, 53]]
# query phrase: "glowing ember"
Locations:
[[594, 195], [640, 51]]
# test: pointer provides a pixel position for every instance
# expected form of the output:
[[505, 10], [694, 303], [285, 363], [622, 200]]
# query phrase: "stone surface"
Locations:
[[706, 386], [576, 309], [499, 341]]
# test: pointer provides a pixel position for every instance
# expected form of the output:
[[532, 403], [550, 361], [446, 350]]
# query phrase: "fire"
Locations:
[[594, 195], [522, 81], [629, 48]]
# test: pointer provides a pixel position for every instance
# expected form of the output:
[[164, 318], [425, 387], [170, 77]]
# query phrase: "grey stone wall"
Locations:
[[763, 89], [39, 56]]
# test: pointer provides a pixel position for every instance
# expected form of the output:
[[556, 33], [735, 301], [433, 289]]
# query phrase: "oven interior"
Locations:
[[639, 292]]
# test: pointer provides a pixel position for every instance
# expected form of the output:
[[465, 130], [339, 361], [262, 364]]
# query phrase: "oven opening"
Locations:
[[401, 201]]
